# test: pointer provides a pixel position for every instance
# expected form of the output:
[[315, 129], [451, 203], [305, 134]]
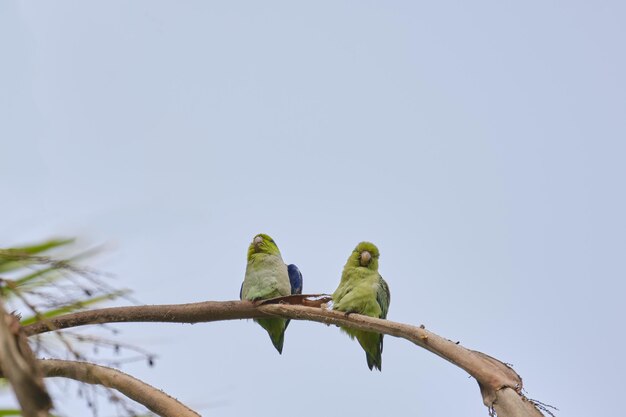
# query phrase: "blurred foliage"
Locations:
[[47, 279], [47, 286], [10, 412]]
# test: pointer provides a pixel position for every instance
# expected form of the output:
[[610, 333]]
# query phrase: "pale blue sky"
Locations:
[[480, 145]]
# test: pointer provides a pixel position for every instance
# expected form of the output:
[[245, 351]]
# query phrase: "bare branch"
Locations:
[[491, 374], [19, 366], [173, 313], [155, 400]]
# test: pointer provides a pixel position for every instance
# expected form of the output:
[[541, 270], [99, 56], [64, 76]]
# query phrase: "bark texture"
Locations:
[[20, 368]]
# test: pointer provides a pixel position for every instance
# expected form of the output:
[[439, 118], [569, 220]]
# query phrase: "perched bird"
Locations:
[[362, 290], [267, 276]]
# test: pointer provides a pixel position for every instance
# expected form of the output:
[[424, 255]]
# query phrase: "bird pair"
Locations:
[[362, 290]]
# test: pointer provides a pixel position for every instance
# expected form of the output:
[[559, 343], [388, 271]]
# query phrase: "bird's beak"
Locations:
[[257, 242], [366, 257]]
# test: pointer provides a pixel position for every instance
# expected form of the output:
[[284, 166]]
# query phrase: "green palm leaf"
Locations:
[[15, 258], [78, 305]]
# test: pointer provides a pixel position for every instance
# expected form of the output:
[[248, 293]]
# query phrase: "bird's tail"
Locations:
[[372, 343], [374, 362], [276, 329]]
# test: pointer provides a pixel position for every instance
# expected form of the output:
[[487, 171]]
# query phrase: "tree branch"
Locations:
[[491, 374], [511, 404], [173, 313], [19, 366], [155, 400]]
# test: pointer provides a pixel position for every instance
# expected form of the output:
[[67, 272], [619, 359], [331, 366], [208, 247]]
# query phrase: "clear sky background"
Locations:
[[481, 145]]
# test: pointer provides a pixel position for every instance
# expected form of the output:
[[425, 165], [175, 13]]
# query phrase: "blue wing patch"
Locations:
[[295, 279]]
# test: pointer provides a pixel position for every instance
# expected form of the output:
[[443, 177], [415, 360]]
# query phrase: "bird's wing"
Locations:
[[295, 279], [383, 297]]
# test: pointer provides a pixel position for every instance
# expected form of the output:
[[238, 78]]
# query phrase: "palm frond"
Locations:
[[68, 308], [20, 257]]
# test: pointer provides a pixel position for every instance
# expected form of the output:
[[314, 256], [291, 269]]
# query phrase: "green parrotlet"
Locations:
[[267, 276], [362, 290]]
